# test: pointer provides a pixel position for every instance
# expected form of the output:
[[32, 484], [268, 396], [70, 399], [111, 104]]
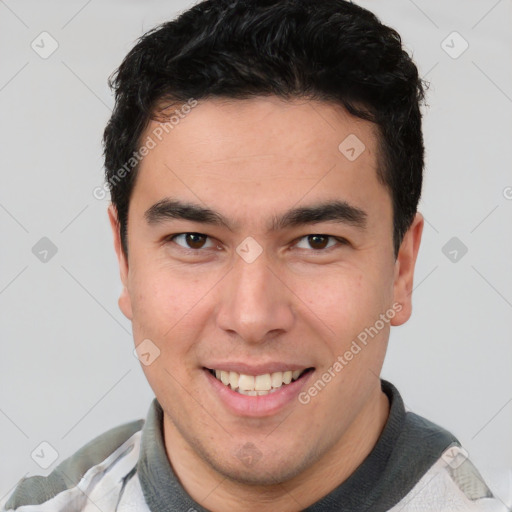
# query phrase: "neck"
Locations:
[[218, 493]]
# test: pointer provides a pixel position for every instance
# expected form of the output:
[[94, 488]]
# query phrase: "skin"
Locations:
[[250, 160]]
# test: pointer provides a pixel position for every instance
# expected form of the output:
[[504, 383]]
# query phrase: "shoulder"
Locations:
[[433, 471], [114, 452], [452, 483]]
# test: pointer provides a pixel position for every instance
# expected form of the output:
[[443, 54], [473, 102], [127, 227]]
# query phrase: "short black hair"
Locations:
[[327, 50]]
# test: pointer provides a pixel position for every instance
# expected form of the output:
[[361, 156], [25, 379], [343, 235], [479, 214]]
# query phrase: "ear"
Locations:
[[404, 270], [124, 301]]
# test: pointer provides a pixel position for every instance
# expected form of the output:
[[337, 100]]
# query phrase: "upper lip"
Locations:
[[255, 369]]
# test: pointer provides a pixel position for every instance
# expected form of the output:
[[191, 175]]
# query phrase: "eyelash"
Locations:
[[341, 241]]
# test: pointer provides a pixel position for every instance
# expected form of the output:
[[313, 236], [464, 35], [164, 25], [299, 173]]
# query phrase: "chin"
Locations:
[[262, 472]]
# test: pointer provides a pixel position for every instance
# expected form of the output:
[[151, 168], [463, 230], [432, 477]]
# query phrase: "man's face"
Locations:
[[261, 295]]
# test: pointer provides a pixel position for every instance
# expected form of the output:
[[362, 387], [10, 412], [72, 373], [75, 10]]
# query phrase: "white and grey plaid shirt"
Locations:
[[416, 466]]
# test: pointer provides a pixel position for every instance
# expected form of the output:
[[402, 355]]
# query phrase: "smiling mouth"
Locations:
[[257, 385]]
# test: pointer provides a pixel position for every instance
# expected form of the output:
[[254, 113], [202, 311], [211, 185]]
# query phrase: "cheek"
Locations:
[[341, 300], [166, 303], [166, 306]]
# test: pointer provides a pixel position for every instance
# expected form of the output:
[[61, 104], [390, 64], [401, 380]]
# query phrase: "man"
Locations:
[[264, 160]]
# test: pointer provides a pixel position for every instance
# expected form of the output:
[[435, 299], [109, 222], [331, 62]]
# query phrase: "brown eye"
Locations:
[[194, 241], [319, 242]]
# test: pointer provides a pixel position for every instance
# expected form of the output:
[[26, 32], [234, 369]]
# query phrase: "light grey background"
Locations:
[[67, 370]]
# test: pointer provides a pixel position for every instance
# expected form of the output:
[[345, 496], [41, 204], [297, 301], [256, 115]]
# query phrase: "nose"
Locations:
[[255, 304]]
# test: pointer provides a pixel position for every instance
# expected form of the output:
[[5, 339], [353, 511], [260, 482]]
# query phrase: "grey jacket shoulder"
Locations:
[[35, 490]]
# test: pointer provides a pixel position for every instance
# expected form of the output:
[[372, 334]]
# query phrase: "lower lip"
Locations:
[[258, 406]]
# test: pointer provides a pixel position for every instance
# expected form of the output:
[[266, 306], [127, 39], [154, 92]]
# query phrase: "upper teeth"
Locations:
[[259, 383]]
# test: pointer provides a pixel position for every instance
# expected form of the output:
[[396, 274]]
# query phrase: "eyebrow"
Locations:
[[336, 210]]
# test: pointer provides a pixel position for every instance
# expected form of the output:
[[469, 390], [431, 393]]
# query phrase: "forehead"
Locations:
[[300, 129], [261, 151]]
